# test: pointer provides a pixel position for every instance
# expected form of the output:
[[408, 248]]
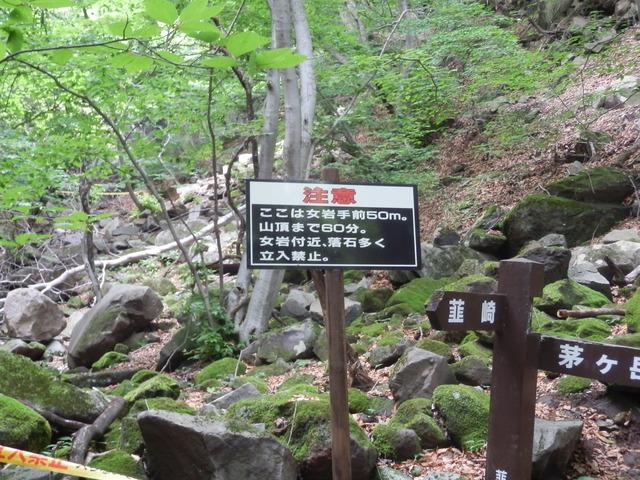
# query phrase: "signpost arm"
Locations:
[[335, 324], [513, 381]]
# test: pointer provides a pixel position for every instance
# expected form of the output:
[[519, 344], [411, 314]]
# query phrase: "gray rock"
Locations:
[[482, 241], [553, 446], [553, 240], [13, 472], [628, 235], [124, 310], [472, 371], [389, 354], [292, 343], [587, 274], [624, 254], [247, 390], [352, 310], [418, 373], [610, 101], [321, 346], [405, 444], [440, 262], [445, 237], [32, 350], [72, 321], [574, 168], [172, 354], [386, 473], [30, 315], [297, 304], [202, 449], [55, 349], [165, 237], [555, 260], [437, 475]]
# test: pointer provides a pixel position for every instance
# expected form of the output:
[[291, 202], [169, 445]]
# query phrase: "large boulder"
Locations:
[[625, 254], [586, 273], [22, 379], [439, 262], [466, 414], [415, 293], [597, 185], [291, 343], [125, 309], [553, 445], [352, 310], [21, 427], [297, 304], [538, 215], [174, 352], [309, 435], [201, 448], [555, 260], [30, 315], [566, 294], [418, 373]]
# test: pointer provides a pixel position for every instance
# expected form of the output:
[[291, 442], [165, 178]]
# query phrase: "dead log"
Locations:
[[83, 437], [593, 312], [62, 424], [100, 379]]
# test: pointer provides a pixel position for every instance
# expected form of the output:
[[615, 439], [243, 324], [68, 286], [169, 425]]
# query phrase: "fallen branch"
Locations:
[[632, 275], [131, 257], [594, 312], [83, 438], [100, 379], [63, 424]]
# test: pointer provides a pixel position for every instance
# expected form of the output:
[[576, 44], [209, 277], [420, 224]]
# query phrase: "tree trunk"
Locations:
[[351, 19], [88, 254]]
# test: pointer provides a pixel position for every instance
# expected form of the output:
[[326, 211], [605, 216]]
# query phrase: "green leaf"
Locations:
[[148, 31], [52, 3], [10, 3], [25, 238], [15, 40], [121, 28], [201, 31], [244, 42], [278, 58], [21, 15], [161, 10], [219, 62], [169, 56], [61, 56], [199, 10], [3, 50], [131, 62]]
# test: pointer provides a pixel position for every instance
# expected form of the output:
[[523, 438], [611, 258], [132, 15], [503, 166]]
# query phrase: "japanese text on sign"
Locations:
[[295, 223]]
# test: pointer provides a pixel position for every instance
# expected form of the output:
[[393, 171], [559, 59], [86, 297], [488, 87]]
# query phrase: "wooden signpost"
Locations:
[[332, 226], [517, 356]]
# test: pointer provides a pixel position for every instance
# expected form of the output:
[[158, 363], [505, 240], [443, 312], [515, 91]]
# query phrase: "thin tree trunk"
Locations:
[[88, 254], [351, 19]]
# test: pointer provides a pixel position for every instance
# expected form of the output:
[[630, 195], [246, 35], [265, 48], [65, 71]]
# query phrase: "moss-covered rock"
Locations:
[[416, 293], [220, 369], [475, 349], [255, 381], [280, 367], [117, 461], [567, 293], [389, 339], [143, 375], [632, 313], [600, 184], [436, 346], [359, 401], [395, 442], [538, 215], [294, 380], [309, 432], [466, 414], [630, 340], [570, 384], [410, 408], [158, 386], [472, 370], [428, 430], [21, 427], [125, 434], [401, 309], [108, 360], [473, 283], [486, 242], [373, 300], [585, 328], [23, 379]]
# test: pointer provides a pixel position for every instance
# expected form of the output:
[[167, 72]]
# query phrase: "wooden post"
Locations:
[[334, 304], [513, 381]]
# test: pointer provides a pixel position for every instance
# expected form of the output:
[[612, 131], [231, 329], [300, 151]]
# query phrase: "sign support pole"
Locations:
[[335, 324], [514, 376]]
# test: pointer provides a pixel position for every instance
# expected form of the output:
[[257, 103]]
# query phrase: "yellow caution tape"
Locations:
[[40, 462]]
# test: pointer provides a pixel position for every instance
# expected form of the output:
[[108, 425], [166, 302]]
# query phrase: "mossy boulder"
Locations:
[[538, 215], [255, 381], [475, 349], [220, 369], [309, 432], [416, 415], [410, 408], [22, 427], [473, 284], [466, 414], [486, 242], [390, 339], [22, 379], [570, 384], [630, 340], [280, 367], [109, 359], [415, 293], [158, 386], [436, 346], [143, 375], [472, 370], [125, 434], [373, 300], [600, 185], [360, 402], [632, 313], [297, 379], [567, 293], [117, 461], [395, 442]]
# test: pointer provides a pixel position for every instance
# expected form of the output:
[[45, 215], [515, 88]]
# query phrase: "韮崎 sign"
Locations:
[[327, 225]]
